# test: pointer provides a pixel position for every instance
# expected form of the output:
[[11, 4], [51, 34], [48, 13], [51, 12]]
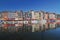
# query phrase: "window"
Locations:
[[0, 15], [39, 14]]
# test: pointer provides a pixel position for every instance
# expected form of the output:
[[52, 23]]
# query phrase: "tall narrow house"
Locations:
[[5, 18], [43, 20], [58, 20], [27, 21], [35, 21], [52, 20], [19, 18], [46, 17]]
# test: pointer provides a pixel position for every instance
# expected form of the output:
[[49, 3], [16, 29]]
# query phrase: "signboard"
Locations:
[[58, 20], [52, 20], [43, 21], [25, 22], [1, 21], [20, 21], [11, 19], [34, 21]]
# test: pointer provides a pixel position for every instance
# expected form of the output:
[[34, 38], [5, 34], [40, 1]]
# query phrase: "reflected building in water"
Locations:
[[30, 21], [52, 20], [58, 20], [27, 22], [35, 20]]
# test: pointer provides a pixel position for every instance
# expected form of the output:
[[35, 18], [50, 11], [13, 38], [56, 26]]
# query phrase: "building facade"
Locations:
[[29, 21]]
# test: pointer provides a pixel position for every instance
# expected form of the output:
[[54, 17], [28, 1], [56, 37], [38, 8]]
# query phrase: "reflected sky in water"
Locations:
[[52, 34]]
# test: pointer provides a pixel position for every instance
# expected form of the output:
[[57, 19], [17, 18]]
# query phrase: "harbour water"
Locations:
[[52, 34]]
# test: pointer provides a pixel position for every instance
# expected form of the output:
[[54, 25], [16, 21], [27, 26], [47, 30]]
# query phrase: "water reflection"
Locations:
[[28, 28]]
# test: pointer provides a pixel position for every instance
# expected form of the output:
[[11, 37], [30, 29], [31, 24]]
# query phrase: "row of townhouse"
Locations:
[[31, 20], [58, 20]]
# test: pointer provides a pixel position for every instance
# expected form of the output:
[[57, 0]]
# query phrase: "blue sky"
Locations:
[[26, 5]]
